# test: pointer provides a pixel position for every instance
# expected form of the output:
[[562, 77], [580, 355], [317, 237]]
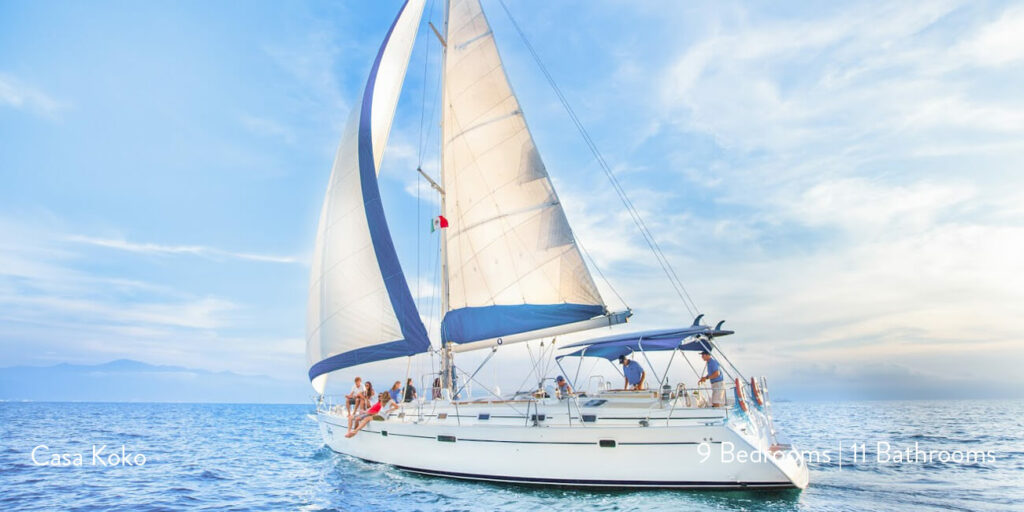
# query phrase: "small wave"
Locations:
[[210, 475], [322, 453]]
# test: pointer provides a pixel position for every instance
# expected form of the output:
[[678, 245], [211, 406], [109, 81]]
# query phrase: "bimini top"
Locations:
[[611, 347]]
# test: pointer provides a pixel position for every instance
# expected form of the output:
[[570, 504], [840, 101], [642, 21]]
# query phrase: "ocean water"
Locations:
[[270, 457]]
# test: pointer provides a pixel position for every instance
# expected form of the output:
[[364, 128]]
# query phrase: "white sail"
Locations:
[[360, 308], [513, 265]]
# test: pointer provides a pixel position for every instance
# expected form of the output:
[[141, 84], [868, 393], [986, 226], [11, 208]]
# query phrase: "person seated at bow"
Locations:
[[352, 398], [365, 399], [357, 422], [562, 388]]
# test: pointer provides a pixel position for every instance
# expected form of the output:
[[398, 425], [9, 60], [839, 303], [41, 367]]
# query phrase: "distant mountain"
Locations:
[[125, 380]]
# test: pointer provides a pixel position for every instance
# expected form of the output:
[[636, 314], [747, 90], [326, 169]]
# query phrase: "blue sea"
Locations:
[[270, 457]]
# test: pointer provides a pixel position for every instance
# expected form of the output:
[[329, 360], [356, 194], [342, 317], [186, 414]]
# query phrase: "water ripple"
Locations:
[[266, 457]]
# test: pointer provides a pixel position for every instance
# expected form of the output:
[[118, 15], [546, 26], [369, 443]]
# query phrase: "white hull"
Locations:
[[613, 451]]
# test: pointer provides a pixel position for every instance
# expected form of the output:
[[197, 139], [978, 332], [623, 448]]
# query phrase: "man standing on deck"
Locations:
[[715, 375], [633, 372], [562, 388]]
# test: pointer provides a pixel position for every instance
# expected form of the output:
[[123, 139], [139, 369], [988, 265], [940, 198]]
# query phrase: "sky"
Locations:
[[842, 181]]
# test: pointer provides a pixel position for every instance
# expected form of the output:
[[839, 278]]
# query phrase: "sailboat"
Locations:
[[511, 272]]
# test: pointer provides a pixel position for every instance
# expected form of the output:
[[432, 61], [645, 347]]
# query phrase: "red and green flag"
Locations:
[[438, 222]]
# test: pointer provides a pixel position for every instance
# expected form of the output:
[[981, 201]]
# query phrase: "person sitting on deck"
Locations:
[[352, 397], [364, 401], [716, 378], [633, 372], [562, 388], [357, 422], [396, 392], [410, 391]]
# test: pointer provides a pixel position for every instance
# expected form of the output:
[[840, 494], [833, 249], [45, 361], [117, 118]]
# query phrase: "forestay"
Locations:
[[513, 265], [360, 309]]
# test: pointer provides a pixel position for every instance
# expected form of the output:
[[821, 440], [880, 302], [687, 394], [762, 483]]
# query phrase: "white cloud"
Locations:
[[195, 250], [998, 43], [863, 76], [267, 128], [16, 94], [205, 313], [862, 196], [56, 305], [857, 204]]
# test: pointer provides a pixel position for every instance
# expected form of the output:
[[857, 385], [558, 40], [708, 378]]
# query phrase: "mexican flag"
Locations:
[[438, 222]]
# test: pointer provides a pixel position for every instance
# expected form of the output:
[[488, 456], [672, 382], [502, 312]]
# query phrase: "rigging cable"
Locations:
[[663, 261], [419, 163]]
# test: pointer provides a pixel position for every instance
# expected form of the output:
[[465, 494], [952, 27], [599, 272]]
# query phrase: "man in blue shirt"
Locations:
[[633, 372], [717, 378], [562, 388]]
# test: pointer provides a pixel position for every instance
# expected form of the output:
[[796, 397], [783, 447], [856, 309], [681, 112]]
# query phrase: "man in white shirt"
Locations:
[[350, 398]]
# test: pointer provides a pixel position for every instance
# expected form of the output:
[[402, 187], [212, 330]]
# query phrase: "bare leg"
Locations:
[[362, 424], [352, 420]]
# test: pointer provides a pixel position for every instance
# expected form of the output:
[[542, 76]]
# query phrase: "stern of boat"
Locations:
[[751, 419]]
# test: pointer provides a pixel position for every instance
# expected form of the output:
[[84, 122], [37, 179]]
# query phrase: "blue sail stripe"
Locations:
[[466, 325], [414, 334]]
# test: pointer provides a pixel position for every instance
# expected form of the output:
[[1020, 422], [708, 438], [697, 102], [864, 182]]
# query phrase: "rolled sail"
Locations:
[[360, 309], [513, 265]]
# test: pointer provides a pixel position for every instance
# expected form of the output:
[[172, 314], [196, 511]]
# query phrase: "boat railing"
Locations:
[[758, 416], [602, 384]]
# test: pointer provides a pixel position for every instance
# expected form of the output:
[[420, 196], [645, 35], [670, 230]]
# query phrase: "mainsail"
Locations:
[[513, 265], [360, 309]]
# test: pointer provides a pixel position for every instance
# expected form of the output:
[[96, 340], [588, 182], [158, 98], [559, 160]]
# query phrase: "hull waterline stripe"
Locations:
[[602, 483]]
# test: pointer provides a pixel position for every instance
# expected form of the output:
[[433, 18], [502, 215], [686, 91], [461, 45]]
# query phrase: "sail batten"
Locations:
[[513, 265], [360, 307]]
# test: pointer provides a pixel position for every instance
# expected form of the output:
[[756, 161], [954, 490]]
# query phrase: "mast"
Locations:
[[447, 359]]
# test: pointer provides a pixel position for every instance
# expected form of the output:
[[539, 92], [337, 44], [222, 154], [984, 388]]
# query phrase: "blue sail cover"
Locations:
[[476, 323], [611, 347]]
